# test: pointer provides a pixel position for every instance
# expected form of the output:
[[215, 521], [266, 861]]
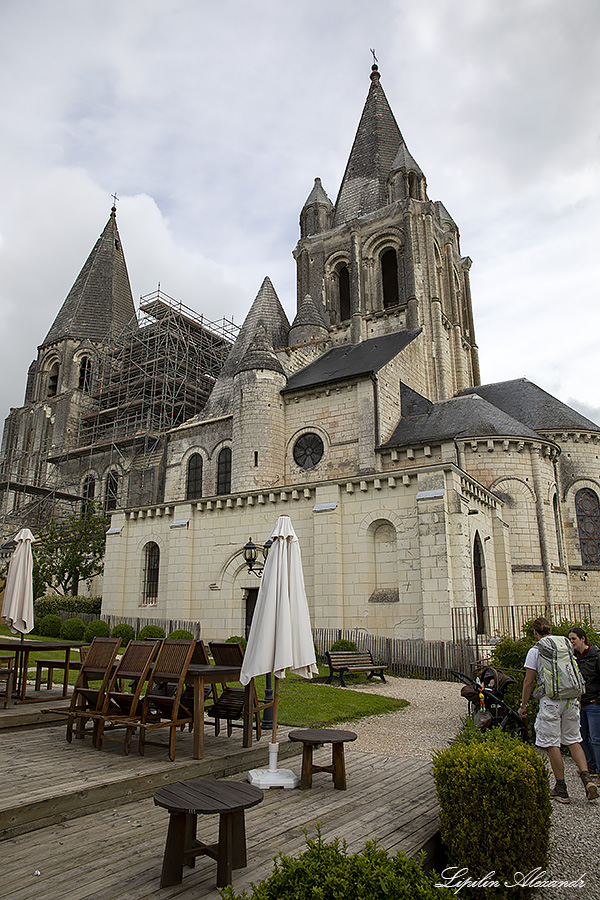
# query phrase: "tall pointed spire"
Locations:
[[100, 301], [378, 138]]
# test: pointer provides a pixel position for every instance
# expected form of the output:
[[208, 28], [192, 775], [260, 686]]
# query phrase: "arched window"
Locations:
[[344, 292], [557, 528], [112, 491], [89, 489], [85, 374], [151, 569], [480, 587], [194, 477], [53, 380], [588, 525], [224, 471], [389, 278]]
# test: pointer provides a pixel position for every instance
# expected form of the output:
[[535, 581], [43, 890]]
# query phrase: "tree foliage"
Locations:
[[69, 551]]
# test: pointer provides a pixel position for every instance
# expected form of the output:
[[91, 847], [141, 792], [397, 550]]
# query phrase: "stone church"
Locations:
[[416, 492]]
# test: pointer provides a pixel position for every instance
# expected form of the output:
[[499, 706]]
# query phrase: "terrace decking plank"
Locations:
[[118, 852]]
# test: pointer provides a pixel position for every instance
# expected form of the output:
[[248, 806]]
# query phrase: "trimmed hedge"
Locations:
[[328, 872], [72, 630], [151, 631], [50, 625], [236, 639], [54, 603], [97, 628], [123, 631], [494, 807], [181, 635], [344, 645]]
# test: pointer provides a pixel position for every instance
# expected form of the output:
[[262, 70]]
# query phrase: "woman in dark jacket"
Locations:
[[588, 660]]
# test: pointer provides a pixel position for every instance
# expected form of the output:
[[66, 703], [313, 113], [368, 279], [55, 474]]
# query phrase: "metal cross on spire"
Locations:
[[114, 198], [375, 60]]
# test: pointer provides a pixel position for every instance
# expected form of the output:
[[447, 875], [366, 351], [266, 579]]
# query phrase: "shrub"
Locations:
[[97, 628], [123, 631], [343, 644], [50, 625], [328, 871], [494, 806], [181, 635], [72, 630], [236, 639], [55, 603], [151, 631], [509, 654]]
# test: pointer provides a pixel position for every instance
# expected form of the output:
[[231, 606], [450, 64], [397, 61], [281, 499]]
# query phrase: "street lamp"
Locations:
[[257, 568]]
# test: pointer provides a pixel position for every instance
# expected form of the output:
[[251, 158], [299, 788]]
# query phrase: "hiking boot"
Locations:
[[590, 788], [559, 792]]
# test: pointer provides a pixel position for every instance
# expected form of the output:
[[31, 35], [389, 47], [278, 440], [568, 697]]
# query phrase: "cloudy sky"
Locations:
[[211, 121]]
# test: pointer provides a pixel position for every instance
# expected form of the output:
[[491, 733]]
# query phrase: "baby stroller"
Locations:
[[487, 705]]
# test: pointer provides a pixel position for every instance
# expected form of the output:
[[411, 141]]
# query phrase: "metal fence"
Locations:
[[468, 627], [416, 658]]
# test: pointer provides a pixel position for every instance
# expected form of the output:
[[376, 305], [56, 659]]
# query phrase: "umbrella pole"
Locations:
[[275, 702]]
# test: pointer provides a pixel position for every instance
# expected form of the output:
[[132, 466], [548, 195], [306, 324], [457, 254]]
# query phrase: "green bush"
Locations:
[[343, 644], [236, 639], [72, 630], [151, 631], [509, 654], [96, 628], [328, 872], [50, 625], [123, 631], [55, 603], [494, 806], [181, 635]]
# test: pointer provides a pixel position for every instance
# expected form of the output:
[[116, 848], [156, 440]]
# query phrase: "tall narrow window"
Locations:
[[151, 570], [89, 489], [53, 380], [224, 471], [85, 374], [389, 278], [479, 578], [588, 525], [194, 477], [344, 289], [557, 528], [112, 491]]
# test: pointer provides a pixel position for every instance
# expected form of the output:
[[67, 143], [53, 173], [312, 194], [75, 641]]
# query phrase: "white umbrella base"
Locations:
[[273, 777]]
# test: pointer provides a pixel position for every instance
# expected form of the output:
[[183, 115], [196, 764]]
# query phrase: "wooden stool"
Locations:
[[184, 801], [314, 737]]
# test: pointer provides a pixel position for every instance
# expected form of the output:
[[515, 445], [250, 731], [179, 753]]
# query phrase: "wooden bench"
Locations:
[[344, 661], [52, 664]]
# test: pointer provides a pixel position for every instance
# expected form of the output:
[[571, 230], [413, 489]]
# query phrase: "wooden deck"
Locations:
[[85, 819]]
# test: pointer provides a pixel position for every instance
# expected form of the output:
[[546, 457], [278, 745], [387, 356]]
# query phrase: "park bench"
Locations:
[[350, 661]]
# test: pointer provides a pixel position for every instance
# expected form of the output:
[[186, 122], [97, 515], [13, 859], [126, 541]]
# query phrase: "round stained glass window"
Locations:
[[308, 450]]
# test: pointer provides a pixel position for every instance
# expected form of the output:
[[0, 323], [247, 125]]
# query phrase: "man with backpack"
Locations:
[[557, 722]]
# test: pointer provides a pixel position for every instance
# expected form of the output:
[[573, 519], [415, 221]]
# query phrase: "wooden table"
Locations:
[[184, 800], [22, 649], [314, 737], [201, 675]]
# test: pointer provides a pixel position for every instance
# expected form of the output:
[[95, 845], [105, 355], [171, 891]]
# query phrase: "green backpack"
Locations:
[[562, 678]]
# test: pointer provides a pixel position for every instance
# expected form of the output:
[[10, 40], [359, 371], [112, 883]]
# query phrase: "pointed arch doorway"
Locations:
[[480, 584]]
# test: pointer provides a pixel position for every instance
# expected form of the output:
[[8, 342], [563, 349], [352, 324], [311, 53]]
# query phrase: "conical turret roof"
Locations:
[[100, 301], [376, 145], [309, 314]]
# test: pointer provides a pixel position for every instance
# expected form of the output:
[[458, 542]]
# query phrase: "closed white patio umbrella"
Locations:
[[280, 636], [17, 607]]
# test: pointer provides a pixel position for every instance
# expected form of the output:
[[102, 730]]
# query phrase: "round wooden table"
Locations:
[[314, 737], [184, 800]]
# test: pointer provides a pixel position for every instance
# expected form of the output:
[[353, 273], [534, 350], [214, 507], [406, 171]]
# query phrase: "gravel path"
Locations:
[[431, 721]]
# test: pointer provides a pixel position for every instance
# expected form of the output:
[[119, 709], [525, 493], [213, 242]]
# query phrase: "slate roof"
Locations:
[[459, 417], [528, 403], [318, 195], [351, 360], [100, 300], [377, 145], [309, 314]]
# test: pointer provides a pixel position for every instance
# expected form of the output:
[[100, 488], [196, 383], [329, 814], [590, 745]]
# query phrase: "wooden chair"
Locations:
[[98, 666], [119, 705], [162, 705], [52, 664], [7, 675], [229, 705]]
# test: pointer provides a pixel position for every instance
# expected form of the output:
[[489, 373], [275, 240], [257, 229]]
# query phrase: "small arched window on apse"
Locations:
[[587, 509], [480, 584], [389, 278], [151, 572], [85, 374], [344, 292], [194, 477], [112, 491], [53, 379], [88, 491], [557, 528], [224, 471]]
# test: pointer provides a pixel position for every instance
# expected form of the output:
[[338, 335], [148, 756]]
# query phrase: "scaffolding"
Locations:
[[155, 375]]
